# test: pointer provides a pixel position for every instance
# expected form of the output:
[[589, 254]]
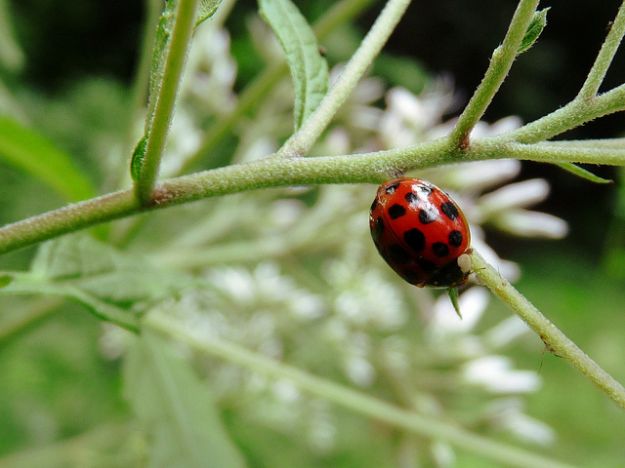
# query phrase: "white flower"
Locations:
[[445, 322], [531, 224], [507, 415], [495, 374]]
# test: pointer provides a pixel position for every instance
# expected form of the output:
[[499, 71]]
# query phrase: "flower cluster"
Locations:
[[293, 274]]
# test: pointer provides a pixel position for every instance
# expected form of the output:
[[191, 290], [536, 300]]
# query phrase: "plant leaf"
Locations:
[[137, 158], [308, 68], [534, 30], [583, 173], [39, 157], [206, 9], [175, 409], [113, 285]]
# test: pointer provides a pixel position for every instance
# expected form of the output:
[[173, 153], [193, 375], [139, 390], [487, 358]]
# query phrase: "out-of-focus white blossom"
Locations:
[[531, 224], [507, 415], [495, 374]]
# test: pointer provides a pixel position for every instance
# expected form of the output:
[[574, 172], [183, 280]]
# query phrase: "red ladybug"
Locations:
[[421, 233]]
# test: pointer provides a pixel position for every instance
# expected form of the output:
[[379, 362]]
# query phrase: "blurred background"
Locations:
[[71, 73]]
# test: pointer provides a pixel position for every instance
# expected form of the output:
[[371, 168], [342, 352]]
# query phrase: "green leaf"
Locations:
[[308, 68], [175, 408], [137, 158], [114, 286], [583, 173], [534, 30], [453, 297], [162, 39], [39, 157], [206, 9]]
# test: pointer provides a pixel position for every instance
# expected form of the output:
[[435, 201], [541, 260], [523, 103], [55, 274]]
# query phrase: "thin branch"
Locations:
[[166, 99], [604, 57], [353, 400], [301, 142], [574, 114], [498, 69], [281, 172], [553, 338], [337, 15]]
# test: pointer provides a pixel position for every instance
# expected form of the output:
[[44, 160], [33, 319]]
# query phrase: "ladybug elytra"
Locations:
[[421, 233]]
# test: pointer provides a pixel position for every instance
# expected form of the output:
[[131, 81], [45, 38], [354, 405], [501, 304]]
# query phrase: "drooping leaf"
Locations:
[[583, 173], [534, 30], [207, 8], [36, 155], [309, 70], [175, 409]]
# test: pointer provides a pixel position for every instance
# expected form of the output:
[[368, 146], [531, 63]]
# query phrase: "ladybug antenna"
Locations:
[[453, 296]]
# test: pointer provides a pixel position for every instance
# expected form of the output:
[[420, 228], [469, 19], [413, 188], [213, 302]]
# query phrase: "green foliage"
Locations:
[[309, 69], [583, 173], [207, 9], [175, 409], [40, 158], [137, 158], [534, 30]]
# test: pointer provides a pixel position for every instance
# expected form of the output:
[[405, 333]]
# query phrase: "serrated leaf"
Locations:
[[175, 408], [308, 68], [583, 173], [206, 9], [137, 158], [36, 155], [534, 30]]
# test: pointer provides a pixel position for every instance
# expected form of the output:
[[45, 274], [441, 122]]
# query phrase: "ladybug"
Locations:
[[421, 233]]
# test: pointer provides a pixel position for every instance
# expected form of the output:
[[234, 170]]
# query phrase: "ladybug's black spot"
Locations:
[[455, 238], [450, 210], [398, 254], [390, 189], [426, 265], [440, 249], [415, 239], [411, 197], [396, 211], [427, 216], [379, 227], [374, 205]]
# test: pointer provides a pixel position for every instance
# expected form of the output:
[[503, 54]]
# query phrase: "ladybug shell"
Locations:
[[420, 232]]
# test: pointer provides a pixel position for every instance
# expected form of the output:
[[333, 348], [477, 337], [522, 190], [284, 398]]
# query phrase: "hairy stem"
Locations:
[[261, 85], [166, 99], [301, 142], [498, 69], [281, 172], [604, 57], [351, 399], [574, 114], [553, 338]]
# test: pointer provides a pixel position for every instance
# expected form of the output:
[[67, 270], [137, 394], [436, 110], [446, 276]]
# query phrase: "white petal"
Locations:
[[532, 224], [444, 320], [495, 374], [520, 194], [480, 175], [505, 332], [506, 268]]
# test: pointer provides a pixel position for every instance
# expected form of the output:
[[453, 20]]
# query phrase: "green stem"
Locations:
[[553, 338], [167, 91], [281, 172], [604, 57], [251, 96], [498, 69], [574, 114], [301, 142], [356, 401]]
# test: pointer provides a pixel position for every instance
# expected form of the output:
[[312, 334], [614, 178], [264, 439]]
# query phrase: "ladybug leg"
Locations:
[[453, 297]]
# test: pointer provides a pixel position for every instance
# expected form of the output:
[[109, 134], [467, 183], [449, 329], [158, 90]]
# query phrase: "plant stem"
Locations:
[[166, 99], [498, 69], [356, 401], [339, 13], [301, 142], [604, 57], [281, 172], [575, 113], [553, 338]]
